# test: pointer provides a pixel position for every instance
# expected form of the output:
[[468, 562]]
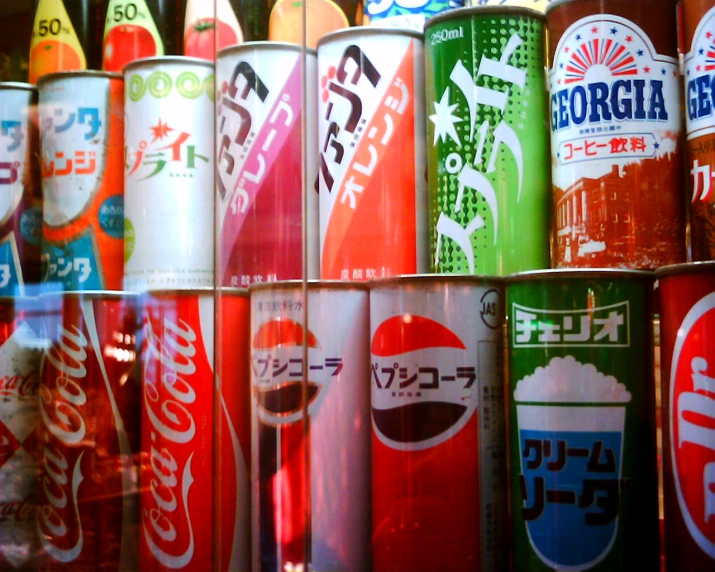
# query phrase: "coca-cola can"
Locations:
[[89, 433], [310, 476], [438, 424], [20, 348], [687, 329], [260, 162]]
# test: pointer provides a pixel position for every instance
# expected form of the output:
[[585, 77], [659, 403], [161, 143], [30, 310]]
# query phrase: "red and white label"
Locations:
[[692, 421]]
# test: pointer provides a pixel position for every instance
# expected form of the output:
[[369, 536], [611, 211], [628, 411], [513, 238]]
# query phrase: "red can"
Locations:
[[19, 417], [89, 434], [687, 327]]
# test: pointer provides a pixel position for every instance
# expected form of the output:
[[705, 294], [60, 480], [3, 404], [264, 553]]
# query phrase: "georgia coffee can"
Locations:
[[169, 174], [89, 432], [408, 15], [438, 424], [487, 133], [687, 322], [20, 192], [20, 348], [373, 215], [584, 480], [310, 475], [615, 134], [698, 28], [260, 152], [82, 155]]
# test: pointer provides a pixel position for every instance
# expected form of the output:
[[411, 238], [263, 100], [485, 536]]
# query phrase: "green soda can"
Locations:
[[488, 141], [584, 480]]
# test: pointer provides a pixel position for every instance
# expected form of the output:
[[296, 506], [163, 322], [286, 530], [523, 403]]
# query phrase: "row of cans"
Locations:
[[375, 436]]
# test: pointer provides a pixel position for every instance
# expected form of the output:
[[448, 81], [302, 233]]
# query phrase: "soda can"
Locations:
[[323, 17], [310, 476], [405, 15], [20, 192], [439, 499], [373, 201], [584, 480], [65, 37], [616, 132], [20, 348], [260, 168], [233, 436], [82, 154], [136, 29], [698, 24], [488, 162], [169, 174], [687, 321], [89, 433]]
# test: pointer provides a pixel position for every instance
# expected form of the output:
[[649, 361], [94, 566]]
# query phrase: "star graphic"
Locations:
[[656, 145], [675, 73], [701, 51], [614, 31], [578, 36], [160, 131], [594, 30], [566, 50], [561, 66], [646, 69], [697, 68], [629, 38], [444, 120], [662, 71], [709, 35], [640, 52]]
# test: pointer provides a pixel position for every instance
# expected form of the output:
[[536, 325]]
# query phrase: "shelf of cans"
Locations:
[[433, 398]]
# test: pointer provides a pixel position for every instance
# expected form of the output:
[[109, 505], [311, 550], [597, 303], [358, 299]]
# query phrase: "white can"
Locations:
[[169, 174], [338, 442], [259, 143], [373, 188]]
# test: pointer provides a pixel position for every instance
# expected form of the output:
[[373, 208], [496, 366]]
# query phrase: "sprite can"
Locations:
[[584, 482], [488, 156]]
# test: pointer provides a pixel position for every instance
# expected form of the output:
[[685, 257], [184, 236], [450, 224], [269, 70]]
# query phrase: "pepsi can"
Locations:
[[438, 420]]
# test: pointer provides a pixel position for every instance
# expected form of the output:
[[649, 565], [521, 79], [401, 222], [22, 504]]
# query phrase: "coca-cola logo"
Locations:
[[692, 421], [18, 512], [61, 401], [168, 397], [19, 386]]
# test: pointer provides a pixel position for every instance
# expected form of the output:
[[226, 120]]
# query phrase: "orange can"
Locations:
[[82, 156]]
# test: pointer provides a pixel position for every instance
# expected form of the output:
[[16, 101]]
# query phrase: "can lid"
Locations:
[[686, 268], [312, 285], [484, 11], [427, 279], [167, 60], [56, 76], [263, 46], [196, 291], [232, 291], [580, 274], [360, 31], [17, 85]]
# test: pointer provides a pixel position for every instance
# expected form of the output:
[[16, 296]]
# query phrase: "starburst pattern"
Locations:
[[444, 120], [160, 131]]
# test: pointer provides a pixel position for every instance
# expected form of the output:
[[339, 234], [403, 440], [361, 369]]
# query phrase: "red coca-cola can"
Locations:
[[89, 432], [20, 344], [687, 329]]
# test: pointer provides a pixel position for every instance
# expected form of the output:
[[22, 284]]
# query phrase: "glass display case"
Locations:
[[357, 285]]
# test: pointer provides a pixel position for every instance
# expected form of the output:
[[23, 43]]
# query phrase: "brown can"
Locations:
[[698, 31], [615, 134]]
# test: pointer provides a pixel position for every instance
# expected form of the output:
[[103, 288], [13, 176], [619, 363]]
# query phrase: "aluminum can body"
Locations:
[[438, 424], [20, 349], [584, 480], [405, 15], [698, 20], [616, 133], [539, 5], [169, 174], [373, 215], [177, 428], [488, 161], [323, 17], [82, 150], [260, 167], [20, 192], [234, 434], [310, 482], [89, 433], [687, 326]]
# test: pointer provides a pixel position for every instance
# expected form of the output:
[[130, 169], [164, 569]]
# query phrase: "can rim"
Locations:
[[312, 285], [556, 3], [88, 294], [198, 290], [485, 10], [579, 273], [369, 31], [474, 279], [17, 85], [78, 73], [232, 291], [685, 268], [166, 60], [264, 45]]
